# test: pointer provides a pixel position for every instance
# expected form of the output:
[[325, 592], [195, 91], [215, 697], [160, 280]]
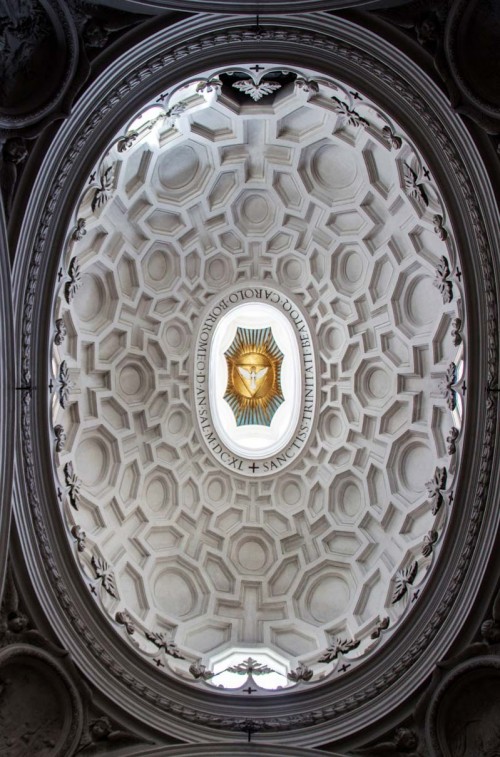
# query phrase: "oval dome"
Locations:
[[262, 378]]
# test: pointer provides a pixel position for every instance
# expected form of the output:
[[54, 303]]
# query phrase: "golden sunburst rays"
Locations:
[[254, 377]]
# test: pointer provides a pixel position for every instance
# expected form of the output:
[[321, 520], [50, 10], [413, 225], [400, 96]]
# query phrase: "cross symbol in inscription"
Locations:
[[257, 68], [344, 668], [92, 590], [59, 274], [450, 498], [427, 173], [162, 97], [92, 177], [458, 274], [249, 690], [464, 388], [415, 595], [253, 467], [51, 385], [159, 663], [356, 95], [59, 494]]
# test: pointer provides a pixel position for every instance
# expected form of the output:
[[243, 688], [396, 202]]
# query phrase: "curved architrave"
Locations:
[[7, 398], [245, 6], [232, 750], [148, 695]]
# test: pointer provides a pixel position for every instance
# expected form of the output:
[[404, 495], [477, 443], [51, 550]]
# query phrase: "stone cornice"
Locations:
[[7, 398]]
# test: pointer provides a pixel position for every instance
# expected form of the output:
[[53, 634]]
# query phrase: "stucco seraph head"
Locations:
[[100, 729], [405, 739], [490, 631], [17, 622]]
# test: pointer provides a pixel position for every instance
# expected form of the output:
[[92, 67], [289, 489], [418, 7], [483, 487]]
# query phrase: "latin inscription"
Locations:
[[201, 393]]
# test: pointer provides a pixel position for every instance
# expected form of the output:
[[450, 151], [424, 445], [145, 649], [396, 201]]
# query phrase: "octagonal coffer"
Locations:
[[254, 379]]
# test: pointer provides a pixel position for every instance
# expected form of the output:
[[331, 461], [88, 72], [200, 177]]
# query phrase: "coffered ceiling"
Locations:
[[302, 188]]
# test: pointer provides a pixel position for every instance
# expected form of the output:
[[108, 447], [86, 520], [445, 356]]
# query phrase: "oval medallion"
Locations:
[[255, 384]]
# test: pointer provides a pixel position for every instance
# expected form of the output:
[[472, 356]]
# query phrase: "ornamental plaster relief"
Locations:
[[303, 190]]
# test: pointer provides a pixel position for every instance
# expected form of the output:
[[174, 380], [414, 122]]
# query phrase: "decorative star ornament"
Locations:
[[254, 377]]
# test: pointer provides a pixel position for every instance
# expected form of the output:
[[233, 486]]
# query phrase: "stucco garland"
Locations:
[[351, 703]]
